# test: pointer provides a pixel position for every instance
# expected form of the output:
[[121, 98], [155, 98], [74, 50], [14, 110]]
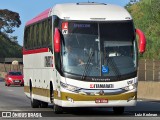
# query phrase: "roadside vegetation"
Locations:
[[146, 16], [9, 46]]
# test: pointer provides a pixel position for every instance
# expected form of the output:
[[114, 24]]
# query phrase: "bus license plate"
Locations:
[[101, 101]]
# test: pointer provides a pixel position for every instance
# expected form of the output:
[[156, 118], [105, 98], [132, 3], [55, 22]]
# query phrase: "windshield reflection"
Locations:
[[81, 53], [119, 57], [101, 49]]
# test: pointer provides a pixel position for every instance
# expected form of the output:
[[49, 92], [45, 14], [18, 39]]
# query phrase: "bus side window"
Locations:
[[26, 38], [45, 33], [34, 36], [30, 37], [40, 36], [50, 32], [37, 35]]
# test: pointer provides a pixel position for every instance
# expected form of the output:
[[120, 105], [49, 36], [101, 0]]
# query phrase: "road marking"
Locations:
[[10, 90], [16, 110]]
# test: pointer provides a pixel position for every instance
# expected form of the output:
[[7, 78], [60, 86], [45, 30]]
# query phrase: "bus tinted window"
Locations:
[[113, 31], [34, 35], [38, 35], [50, 32]]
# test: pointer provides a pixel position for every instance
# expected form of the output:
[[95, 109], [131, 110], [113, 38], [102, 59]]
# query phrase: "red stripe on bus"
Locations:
[[25, 52], [41, 16]]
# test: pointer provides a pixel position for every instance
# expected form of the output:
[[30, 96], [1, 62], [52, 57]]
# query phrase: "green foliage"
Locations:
[[146, 16], [9, 49], [8, 21], [8, 44]]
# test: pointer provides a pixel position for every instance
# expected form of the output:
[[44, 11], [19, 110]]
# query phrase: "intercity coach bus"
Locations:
[[102, 71]]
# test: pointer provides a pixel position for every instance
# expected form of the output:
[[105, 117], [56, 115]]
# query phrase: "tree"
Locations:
[[146, 15], [9, 46], [8, 21]]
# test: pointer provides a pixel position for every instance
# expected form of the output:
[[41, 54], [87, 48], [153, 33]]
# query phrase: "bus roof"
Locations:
[[85, 11], [90, 11]]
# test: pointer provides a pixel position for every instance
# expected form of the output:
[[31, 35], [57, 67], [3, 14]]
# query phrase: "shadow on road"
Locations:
[[97, 112], [101, 112], [90, 111]]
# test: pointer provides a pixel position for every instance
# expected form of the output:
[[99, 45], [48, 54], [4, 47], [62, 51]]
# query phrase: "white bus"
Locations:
[[82, 55]]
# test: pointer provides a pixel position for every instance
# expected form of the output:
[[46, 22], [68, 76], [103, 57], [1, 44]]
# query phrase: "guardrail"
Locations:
[[9, 67], [149, 70]]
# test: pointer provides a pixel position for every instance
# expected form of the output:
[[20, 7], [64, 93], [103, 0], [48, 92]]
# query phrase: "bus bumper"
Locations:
[[112, 103], [75, 100]]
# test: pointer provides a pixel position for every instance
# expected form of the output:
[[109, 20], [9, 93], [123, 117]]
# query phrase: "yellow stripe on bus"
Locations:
[[79, 97]]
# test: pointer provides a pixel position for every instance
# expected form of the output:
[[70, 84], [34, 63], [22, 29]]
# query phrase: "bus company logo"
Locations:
[[65, 28], [101, 86], [91, 85]]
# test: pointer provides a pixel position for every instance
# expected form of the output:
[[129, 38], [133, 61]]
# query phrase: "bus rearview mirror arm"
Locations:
[[50, 49]]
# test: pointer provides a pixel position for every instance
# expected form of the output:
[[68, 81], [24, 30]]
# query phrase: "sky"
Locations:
[[28, 9]]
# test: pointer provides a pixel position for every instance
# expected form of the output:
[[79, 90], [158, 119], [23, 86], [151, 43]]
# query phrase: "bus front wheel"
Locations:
[[118, 110], [57, 109]]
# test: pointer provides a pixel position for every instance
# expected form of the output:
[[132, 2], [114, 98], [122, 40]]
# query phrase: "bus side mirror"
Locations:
[[57, 40], [142, 41]]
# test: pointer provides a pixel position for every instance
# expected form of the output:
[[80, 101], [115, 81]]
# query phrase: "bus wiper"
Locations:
[[87, 64]]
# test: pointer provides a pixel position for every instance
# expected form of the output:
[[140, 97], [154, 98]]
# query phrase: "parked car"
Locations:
[[14, 78]]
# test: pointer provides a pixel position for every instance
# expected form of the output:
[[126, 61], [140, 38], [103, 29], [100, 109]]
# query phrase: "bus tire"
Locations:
[[34, 103], [43, 104], [57, 109], [118, 110]]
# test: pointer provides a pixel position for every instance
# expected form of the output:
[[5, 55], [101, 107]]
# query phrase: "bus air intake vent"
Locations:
[[90, 3]]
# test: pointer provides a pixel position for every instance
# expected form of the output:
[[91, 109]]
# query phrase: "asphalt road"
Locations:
[[13, 99]]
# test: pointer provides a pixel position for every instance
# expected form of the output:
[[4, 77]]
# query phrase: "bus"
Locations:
[[102, 71]]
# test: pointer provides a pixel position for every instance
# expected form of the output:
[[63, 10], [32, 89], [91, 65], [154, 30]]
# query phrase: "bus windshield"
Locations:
[[88, 48]]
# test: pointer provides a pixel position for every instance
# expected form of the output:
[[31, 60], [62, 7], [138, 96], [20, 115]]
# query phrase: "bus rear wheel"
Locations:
[[34, 103], [118, 110], [43, 104]]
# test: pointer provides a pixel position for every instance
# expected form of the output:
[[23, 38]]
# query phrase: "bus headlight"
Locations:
[[130, 87], [69, 87]]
